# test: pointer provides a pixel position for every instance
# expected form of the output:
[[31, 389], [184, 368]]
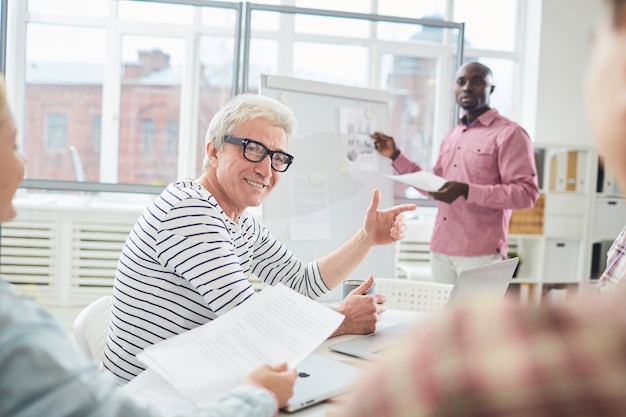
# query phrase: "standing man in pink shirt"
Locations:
[[489, 164]]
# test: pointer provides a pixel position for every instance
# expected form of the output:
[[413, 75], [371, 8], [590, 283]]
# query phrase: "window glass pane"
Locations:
[[155, 12], [65, 44], [263, 60], [414, 9], [419, 34], [171, 136], [331, 26], [489, 24], [150, 98], [215, 17], [216, 63], [356, 6], [91, 8], [148, 130], [411, 82], [64, 73], [340, 64], [96, 132], [261, 20]]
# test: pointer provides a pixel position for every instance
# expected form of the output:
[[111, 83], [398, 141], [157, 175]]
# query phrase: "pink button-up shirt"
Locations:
[[495, 157]]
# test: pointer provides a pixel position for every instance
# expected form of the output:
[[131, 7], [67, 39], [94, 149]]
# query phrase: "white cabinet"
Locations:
[[560, 260], [609, 217]]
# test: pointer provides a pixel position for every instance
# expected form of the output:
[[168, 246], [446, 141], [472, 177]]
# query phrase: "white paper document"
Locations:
[[422, 180], [150, 388], [276, 325]]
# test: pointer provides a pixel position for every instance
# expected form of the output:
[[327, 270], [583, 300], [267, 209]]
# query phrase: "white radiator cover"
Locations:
[[64, 256], [64, 252]]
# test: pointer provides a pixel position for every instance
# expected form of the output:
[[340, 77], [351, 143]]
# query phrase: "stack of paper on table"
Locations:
[[276, 325], [422, 180]]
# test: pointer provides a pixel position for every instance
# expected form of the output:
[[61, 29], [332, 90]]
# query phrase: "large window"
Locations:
[[138, 72], [131, 86]]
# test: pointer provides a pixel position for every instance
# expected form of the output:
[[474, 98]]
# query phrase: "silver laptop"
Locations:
[[321, 378], [491, 280]]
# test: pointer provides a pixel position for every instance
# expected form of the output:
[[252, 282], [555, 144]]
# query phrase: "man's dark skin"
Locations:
[[472, 88]]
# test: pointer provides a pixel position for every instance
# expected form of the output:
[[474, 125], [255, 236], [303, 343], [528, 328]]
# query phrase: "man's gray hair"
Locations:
[[243, 108]]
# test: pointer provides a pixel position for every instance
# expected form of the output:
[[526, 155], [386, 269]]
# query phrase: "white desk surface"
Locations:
[[331, 408]]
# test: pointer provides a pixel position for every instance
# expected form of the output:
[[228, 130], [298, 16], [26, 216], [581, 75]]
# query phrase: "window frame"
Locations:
[[12, 21]]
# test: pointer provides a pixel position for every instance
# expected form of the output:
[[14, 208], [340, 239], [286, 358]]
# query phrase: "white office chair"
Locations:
[[91, 327], [412, 254], [422, 296]]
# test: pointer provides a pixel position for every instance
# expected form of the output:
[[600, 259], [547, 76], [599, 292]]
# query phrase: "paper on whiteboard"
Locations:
[[422, 180], [356, 147]]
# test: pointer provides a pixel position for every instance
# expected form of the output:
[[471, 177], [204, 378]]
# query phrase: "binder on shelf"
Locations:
[[558, 171], [600, 176], [581, 171], [571, 171], [567, 171]]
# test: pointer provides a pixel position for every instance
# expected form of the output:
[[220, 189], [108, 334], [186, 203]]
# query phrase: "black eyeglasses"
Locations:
[[255, 151]]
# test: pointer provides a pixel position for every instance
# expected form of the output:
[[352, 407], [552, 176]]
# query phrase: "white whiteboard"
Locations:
[[319, 148]]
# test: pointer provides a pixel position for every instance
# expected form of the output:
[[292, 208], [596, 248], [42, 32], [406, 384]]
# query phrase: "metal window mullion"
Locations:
[[111, 97]]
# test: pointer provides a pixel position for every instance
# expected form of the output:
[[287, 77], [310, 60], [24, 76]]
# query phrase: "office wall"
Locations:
[[564, 43]]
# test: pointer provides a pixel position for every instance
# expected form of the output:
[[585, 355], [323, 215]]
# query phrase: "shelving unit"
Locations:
[[553, 240], [562, 241]]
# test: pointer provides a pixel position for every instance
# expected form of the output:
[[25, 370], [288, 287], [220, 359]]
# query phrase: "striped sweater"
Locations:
[[184, 264]]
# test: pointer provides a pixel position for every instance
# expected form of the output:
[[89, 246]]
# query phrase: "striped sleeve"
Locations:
[[274, 262], [196, 244]]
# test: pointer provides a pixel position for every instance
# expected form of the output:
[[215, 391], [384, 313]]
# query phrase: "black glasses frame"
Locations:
[[244, 142]]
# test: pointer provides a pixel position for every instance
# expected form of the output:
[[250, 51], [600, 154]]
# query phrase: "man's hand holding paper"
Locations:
[[450, 191]]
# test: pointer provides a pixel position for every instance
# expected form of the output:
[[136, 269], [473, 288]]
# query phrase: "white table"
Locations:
[[332, 407]]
